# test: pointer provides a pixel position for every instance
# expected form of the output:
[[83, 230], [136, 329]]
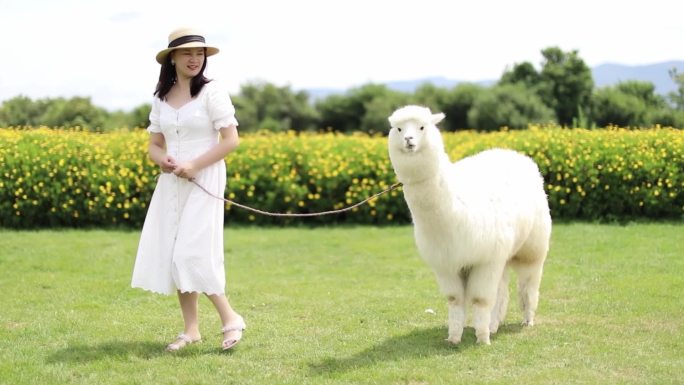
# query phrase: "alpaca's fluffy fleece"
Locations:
[[472, 220]]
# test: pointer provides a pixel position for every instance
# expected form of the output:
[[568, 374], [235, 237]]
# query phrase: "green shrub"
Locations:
[[509, 105], [74, 178]]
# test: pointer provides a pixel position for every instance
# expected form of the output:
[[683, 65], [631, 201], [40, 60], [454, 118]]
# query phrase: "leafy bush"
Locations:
[[266, 106], [364, 109], [508, 105], [74, 178], [612, 106]]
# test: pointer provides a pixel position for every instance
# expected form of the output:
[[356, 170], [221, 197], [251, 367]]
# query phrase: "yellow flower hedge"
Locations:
[[62, 177]]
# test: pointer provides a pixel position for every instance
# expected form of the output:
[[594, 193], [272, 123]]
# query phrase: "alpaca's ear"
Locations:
[[436, 118]]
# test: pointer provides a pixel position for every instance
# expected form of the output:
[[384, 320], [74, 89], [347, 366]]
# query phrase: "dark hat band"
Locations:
[[186, 39]]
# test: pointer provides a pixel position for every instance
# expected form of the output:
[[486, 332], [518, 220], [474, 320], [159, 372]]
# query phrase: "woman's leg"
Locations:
[[229, 317], [189, 303]]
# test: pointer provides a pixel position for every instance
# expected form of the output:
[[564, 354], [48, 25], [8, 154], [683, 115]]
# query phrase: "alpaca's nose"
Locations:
[[408, 138]]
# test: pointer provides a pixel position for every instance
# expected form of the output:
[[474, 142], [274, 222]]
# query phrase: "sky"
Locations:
[[105, 49]]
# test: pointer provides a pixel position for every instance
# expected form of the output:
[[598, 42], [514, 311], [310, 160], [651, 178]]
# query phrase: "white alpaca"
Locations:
[[472, 220]]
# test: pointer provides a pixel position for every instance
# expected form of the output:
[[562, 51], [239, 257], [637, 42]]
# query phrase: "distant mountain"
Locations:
[[438, 81], [658, 74], [604, 75], [408, 86]]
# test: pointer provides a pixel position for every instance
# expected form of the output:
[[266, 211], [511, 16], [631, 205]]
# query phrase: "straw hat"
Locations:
[[185, 38]]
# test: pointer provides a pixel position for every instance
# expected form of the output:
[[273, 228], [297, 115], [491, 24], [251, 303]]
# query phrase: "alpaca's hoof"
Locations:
[[483, 339], [453, 340], [528, 322]]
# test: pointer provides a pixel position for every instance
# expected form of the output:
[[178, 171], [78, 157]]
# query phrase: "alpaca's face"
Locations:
[[415, 144], [408, 136]]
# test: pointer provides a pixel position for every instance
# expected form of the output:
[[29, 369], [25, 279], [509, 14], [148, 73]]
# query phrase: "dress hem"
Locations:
[[174, 292]]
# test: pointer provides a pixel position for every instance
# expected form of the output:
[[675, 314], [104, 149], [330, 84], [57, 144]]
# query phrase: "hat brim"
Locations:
[[161, 56]]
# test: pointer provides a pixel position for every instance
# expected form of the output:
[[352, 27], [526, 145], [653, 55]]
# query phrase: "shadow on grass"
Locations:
[[416, 344], [116, 350]]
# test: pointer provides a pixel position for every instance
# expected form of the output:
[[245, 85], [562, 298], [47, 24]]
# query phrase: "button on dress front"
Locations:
[[181, 243]]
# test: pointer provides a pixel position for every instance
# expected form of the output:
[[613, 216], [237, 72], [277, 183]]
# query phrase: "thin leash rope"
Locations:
[[262, 212]]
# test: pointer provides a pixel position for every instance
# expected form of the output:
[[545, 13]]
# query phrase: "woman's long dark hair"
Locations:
[[167, 78]]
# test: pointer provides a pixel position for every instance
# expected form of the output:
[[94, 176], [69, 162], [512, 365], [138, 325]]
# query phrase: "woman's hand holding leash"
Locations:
[[168, 164], [186, 170]]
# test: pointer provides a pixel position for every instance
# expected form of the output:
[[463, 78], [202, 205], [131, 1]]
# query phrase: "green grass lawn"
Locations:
[[341, 306]]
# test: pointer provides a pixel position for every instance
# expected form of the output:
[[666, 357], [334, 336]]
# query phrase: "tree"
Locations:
[[667, 117], [632, 103], [459, 101], [612, 106], [53, 112], [140, 116], [75, 112], [265, 105], [566, 83], [365, 108], [454, 103], [523, 73], [374, 120], [21, 111], [509, 105], [338, 114], [677, 98], [429, 95], [644, 91]]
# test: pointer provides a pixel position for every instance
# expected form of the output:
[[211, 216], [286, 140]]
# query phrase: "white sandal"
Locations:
[[181, 341], [237, 326]]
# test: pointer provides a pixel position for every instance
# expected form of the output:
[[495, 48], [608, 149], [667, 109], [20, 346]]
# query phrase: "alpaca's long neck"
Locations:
[[429, 194], [420, 168], [434, 206], [426, 179]]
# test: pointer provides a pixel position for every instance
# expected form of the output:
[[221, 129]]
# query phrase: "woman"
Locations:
[[181, 244]]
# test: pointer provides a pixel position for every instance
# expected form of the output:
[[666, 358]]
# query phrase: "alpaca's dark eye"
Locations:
[[399, 128], [421, 128]]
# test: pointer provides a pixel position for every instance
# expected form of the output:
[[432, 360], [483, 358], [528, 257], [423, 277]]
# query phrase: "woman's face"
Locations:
[[188, 61]]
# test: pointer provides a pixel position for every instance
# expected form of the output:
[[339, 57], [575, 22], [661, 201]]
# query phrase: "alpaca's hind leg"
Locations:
[[501, 306], [453, 288], [481, 291], [529, 279]]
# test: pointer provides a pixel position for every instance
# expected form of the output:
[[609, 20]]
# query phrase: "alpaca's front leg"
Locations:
[[483, 283], [456, 307], [454, 289]]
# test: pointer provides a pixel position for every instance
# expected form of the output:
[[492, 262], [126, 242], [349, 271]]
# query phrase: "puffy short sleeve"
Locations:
[[220, 107], [154, 117]]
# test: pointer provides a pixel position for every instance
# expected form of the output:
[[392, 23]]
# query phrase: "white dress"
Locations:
[[181, 243]]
